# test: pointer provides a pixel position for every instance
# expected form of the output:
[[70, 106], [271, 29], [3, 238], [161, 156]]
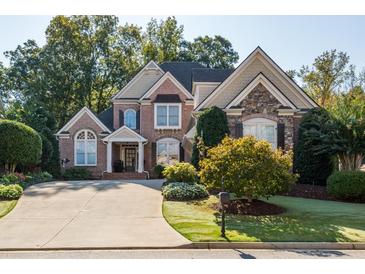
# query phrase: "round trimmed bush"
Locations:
[[77, 173], [184, 192], [10, 192], [347, 185], [19, 144], [180, 172]]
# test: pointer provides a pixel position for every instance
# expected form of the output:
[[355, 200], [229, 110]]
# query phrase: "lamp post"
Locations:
[[223, 200]]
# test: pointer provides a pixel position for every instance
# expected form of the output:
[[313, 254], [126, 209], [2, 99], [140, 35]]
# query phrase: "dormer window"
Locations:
[[130, 118], [167, 115]]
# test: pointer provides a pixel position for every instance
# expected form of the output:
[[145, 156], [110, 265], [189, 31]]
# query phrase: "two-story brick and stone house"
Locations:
[[152, 119]]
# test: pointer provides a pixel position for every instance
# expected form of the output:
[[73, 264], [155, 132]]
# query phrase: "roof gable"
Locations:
[[141, 82], [166, 76], [257, 61], [78, 115], [261, 79], [125, 134]]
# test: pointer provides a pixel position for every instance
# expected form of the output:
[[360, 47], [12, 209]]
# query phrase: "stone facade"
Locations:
[[260, 103]]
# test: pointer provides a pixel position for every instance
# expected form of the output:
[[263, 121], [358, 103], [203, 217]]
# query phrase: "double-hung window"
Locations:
[[168, 116], [261, 129], [85, 148]]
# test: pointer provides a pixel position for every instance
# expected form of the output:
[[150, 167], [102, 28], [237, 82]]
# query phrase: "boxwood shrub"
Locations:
[[347, 185], [77, 173], [10, 192], [184, 192], [180, 172]]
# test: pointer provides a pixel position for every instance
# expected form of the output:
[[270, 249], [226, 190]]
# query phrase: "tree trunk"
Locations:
[[10, 168], [350, 162]]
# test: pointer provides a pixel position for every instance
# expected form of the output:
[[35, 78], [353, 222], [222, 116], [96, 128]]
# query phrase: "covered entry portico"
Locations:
[[127, 146]]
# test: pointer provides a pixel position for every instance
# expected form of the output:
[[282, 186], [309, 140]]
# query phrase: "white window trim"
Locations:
[[168, 105], [168, 141], [96, 148], [262, 122], [135, 113]]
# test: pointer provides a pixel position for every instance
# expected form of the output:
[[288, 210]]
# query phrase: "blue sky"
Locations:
[[291, 41]]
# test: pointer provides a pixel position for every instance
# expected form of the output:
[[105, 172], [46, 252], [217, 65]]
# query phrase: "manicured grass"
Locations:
[[6, 207], [305, 220]]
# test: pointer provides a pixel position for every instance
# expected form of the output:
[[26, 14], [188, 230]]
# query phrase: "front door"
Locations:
[[130, 159]]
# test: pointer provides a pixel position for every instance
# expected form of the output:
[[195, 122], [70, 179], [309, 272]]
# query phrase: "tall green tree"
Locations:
[[212, 52], [162, 40], [327, 75], [211, 128]]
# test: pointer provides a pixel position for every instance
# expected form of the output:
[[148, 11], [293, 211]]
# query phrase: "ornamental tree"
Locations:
[[211, 128], [19, 144], [248, 168], [312, 167]]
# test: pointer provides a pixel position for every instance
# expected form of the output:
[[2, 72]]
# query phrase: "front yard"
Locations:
[[6, 207], [304, 220]]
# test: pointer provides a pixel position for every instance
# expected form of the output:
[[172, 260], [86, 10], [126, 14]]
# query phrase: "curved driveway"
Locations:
[[86, 214]]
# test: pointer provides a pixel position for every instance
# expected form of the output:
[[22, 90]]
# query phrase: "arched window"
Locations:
[[262, 129], [85, 148], [130, 118], [167, 151]]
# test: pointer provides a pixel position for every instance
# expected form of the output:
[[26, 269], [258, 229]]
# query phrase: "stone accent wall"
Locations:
[[260, 103], [66, 145]]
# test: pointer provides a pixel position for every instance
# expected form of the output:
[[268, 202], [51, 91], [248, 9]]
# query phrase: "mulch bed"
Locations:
[[310, 191], [254, 208]]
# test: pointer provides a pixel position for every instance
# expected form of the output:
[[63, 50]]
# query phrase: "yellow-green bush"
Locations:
[[180, 172], [248, 167]]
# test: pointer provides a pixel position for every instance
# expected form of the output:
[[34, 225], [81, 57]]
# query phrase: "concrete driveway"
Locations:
[[86, 214]]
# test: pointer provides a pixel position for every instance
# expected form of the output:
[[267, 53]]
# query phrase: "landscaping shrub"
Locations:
[[19, 144], [248, 167], [77, 173], [10, 192], [12, 178], [158, 169], [184, 192], [347, 185], [180, 172], [313, 168]]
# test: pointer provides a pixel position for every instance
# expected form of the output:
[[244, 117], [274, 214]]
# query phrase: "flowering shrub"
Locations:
[[184, 192]]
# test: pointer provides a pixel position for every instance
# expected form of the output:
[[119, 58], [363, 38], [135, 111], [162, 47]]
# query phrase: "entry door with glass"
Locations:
[[130, 159]]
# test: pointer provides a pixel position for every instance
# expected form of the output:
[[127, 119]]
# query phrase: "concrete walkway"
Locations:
[[86, 214]]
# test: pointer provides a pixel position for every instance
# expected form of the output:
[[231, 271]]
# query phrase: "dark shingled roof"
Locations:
[[167, 98], [182, 71], [210, 75], [106, 117]]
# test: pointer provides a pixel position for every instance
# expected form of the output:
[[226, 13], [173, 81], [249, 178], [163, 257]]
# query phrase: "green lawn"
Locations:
[[6, 207], [304, 220]]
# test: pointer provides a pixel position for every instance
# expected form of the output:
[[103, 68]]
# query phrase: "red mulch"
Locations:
[[254, 208], [310, 191]]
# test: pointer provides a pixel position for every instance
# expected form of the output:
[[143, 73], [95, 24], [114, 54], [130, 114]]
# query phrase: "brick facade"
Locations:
[[66, 145], [147, 122]]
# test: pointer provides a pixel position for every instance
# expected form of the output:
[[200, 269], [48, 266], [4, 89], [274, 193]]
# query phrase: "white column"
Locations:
[[109, 157], [140, 157]]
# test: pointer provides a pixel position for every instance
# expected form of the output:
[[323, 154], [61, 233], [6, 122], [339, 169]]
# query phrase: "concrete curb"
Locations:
[[215, 245]]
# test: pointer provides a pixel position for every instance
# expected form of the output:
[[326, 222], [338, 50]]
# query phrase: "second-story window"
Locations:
[[168, 116], [130, 118]]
